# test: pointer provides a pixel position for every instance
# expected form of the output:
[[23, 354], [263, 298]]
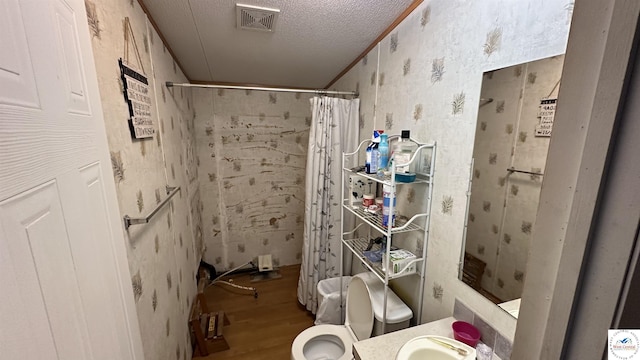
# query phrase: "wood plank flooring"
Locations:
[[262, 328]]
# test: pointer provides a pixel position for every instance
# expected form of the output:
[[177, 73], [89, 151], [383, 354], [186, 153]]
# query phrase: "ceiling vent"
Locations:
[[256, 18]]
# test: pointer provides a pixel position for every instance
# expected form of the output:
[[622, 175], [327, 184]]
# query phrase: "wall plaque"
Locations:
[[547, 113], [136, 93]]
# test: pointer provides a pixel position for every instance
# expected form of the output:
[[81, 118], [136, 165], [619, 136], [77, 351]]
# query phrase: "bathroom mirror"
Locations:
[[515, 122]]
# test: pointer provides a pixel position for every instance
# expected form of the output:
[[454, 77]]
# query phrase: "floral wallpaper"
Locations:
[[428, 73], [164, 254], [503, 207], [252, 147]]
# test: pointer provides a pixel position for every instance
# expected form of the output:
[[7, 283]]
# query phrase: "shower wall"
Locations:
[[252, 151]]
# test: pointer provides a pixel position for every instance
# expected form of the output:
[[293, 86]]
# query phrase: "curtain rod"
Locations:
[[236, 87]]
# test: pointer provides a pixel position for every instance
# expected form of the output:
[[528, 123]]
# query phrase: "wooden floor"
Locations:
[[261, 328]]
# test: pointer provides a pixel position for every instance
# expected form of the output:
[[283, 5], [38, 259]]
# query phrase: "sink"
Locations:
[[423, 347]]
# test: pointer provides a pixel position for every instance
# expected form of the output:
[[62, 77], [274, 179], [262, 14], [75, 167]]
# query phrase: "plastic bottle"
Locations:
[[383, 147], [483, 352], [402, 151], [370, 158], [375, 157], [371, 164], [367, 163], [386, 204]]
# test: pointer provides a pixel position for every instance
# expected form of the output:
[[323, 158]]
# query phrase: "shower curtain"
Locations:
[[334, 129]]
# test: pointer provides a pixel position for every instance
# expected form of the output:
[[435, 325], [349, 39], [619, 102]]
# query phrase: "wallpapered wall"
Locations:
[[505, 138], [428, 76], [164, 254], [252, 147]]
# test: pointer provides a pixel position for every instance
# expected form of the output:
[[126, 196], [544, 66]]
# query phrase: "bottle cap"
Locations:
[[376, 135], [405, 134]]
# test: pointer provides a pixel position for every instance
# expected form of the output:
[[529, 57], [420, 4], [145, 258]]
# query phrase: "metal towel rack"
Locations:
[[512, 170], [128, 221]]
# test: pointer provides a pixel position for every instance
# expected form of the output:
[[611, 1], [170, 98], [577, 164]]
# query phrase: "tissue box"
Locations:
[[358, 187], [397, 260]]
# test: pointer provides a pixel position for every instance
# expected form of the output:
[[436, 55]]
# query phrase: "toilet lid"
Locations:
[[359, 316], [397, 310]]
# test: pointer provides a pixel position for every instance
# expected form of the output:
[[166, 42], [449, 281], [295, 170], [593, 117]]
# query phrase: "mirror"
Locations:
[[514, 126]]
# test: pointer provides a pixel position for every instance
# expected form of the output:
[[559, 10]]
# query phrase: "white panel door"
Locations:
[[65, 286]]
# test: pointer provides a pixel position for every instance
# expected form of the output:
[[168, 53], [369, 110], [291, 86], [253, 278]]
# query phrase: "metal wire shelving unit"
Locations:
[[423, 160]]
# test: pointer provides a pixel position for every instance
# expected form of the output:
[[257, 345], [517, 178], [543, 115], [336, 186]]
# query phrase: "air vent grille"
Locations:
[[256, 18]]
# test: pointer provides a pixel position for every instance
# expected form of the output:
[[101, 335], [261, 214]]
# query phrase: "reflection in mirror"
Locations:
[[515, 119]]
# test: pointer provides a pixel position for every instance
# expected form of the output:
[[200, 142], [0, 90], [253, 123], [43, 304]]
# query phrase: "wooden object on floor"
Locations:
[[472, 271], [207, 327], [262, 328]]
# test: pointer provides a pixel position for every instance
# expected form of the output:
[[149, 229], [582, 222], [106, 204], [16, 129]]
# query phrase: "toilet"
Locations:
[[334, 342], [363, 317], [398, 314]]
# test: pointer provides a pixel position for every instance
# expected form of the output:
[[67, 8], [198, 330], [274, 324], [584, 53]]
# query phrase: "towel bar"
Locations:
[[128, 221], [512, 170]]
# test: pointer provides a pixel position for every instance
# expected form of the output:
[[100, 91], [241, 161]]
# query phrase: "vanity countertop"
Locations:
[[385, 347]]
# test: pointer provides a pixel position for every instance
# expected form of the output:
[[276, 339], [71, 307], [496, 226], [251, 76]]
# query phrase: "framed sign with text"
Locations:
[[136, 93], [547, 114]]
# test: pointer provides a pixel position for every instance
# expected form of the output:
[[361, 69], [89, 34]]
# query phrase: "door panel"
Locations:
[[93, 254], [71, 62], [37, 241], [24, 329], [38, 143], [66, 288], [16, 73]]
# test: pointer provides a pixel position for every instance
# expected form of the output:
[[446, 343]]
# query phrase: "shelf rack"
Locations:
[[358, 246], [419, 222]]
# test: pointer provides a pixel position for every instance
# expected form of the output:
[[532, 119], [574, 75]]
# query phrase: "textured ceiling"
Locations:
[[313, 40]]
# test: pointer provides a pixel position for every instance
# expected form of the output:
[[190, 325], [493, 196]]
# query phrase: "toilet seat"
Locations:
[[358, 326], [318, 331]]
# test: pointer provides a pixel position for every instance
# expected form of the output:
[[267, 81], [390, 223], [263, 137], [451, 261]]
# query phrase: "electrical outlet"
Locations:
[[265, 263]]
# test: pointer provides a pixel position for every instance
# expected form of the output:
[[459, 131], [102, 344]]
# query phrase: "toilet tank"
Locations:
[[398, 313]]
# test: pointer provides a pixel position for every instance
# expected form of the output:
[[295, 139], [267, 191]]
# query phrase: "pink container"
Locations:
[[466, 333]]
